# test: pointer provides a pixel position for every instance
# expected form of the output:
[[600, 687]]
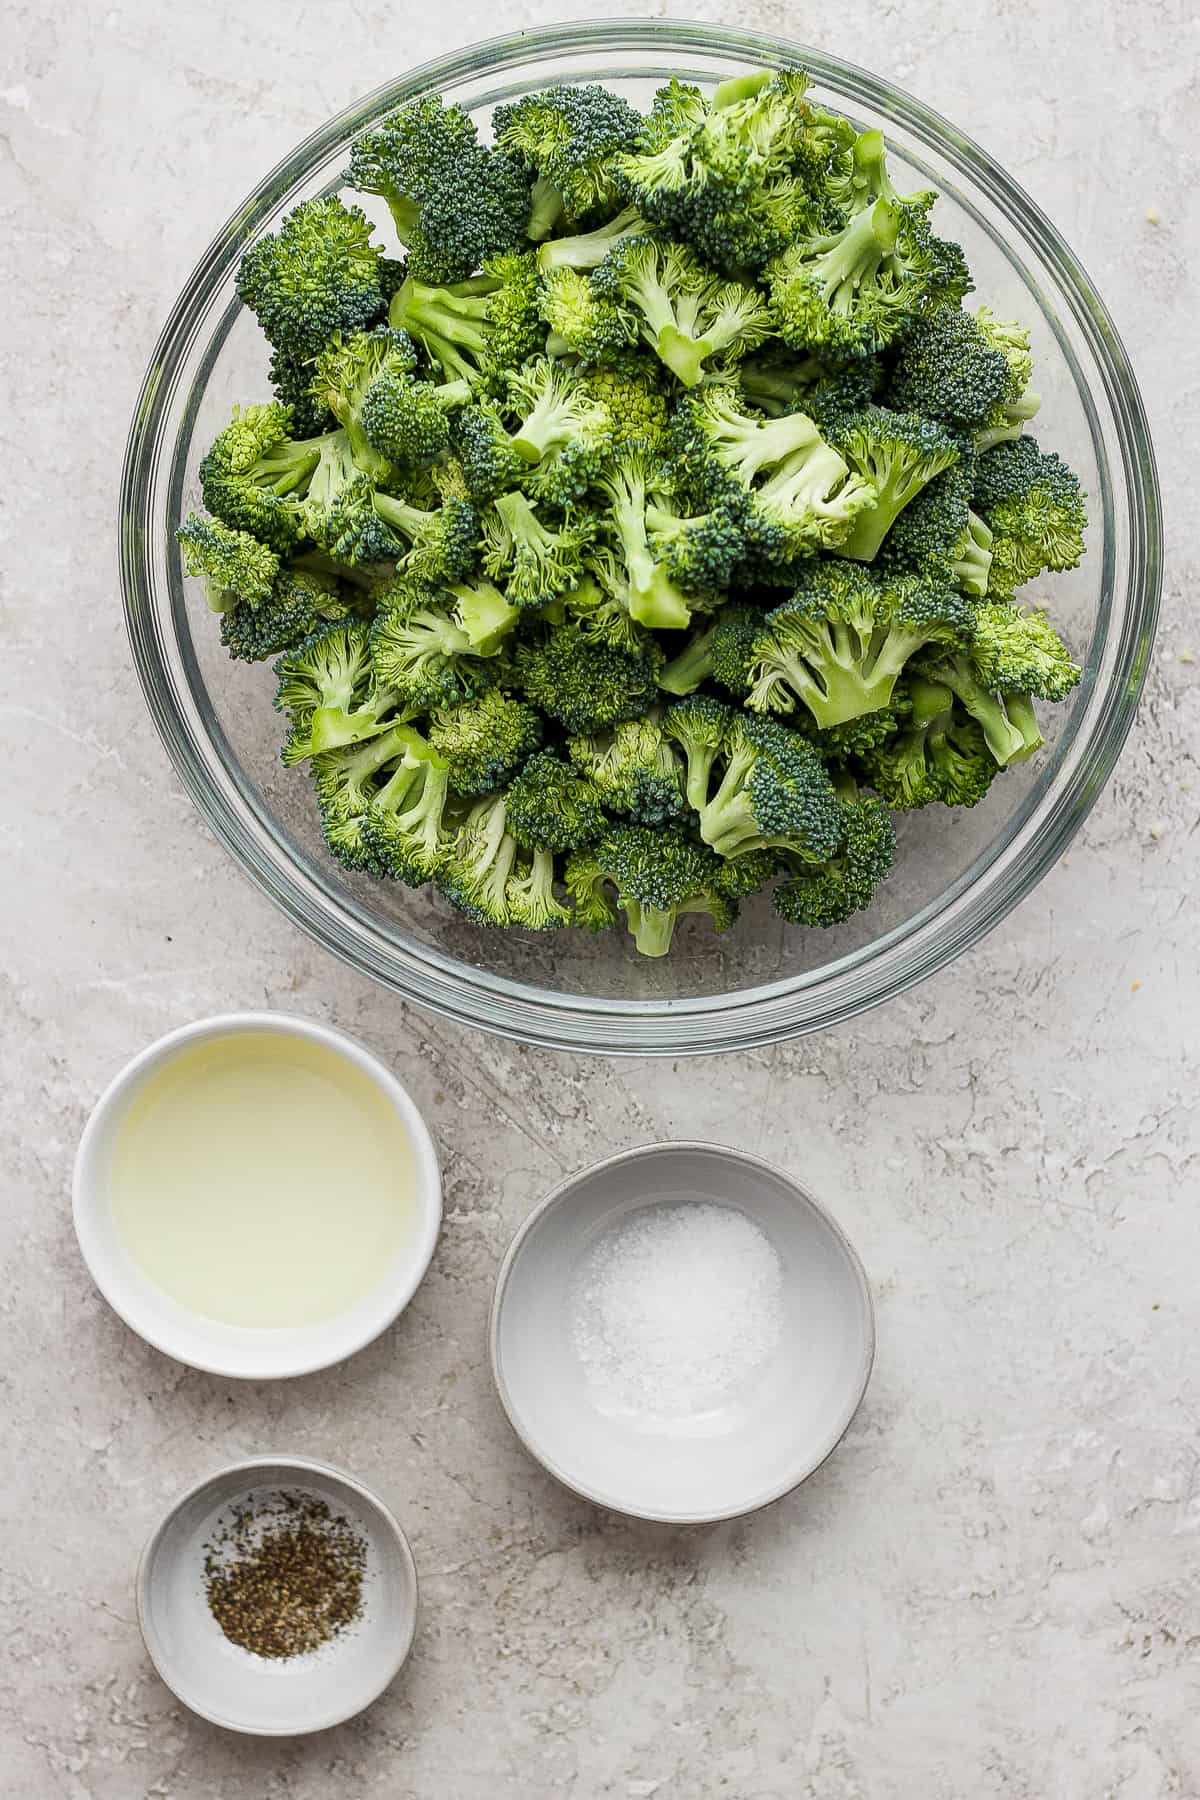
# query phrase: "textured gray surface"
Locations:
[[992, 1589]]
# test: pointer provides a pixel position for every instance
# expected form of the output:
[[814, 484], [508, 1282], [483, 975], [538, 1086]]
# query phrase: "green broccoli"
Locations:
[[583, 686], [345, 782], [773, 794], [584, 322], [554, 410], [939, 755], [898, 454], [859, 285], [317, 275], [478, 863], [658, 876], [530, 896], [454, 202], [444, 540], [254, 476], [567, 138], [552, 805], [634, 769], [588, 249], [537, 562], [831, 891], [1034, 507], [484, 741], [684, 313], [722, 651], [422, 649], [236, 567], [1009, 418], [404, 831], [947, 369], [843, 640], [299, 604], [1016, 650], [1008, 722], [327, 684], [475, 330], [408, 421], [291, 383], [698, 726], [344, 375]]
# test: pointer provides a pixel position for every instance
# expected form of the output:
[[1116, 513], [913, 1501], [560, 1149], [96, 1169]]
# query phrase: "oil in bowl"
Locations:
[[257, 1195]]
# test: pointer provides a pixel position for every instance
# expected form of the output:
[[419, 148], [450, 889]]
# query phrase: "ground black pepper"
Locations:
[[284, 1575]]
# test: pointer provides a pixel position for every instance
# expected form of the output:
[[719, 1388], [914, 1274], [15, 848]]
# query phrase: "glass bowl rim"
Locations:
[[750, 1017]]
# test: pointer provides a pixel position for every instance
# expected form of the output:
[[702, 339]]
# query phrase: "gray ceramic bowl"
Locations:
[[732, 1457], [249, 1693]]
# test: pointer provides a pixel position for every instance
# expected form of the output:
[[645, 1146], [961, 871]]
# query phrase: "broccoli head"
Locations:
[[634, 770], [346, 783], [484, 741], [938, 756], [475, 330], [404, 831], [1034, 507], [454, 202], [235, 567], [553, 805], [947, 368], [832, 891], [420, 649], [317, 275], [568, 138], [299, 604], [327, 686], [773, 794], [657, 876], [1017, 650], [898, 454], [722, 652], [687, 316], [583, 686], [536, 562]]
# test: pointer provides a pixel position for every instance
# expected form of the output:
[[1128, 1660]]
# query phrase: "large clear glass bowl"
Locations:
[[957, 873]]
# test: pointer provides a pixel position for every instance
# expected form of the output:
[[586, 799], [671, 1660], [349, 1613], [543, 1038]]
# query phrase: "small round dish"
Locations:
[[231, 1686], [724, 1460], [246, 1352]]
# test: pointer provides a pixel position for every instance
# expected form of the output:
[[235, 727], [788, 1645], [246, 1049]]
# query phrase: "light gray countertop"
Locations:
[[992, 1588]]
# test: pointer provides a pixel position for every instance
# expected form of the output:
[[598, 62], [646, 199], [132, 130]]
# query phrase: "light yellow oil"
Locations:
[[260, 1179]]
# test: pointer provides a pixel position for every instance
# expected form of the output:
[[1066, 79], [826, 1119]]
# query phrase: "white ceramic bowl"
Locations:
[[249, 1693], [732, 1458], [231, 1350]]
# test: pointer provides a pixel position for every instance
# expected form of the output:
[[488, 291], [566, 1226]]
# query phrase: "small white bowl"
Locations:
[[239, 1351], [740, 1455], [227, 1684]]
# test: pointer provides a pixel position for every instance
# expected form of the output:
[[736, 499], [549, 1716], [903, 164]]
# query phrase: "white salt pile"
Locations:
[[675, 1309]]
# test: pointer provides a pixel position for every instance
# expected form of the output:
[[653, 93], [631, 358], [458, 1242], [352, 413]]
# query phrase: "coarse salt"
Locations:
[[674, 1309]]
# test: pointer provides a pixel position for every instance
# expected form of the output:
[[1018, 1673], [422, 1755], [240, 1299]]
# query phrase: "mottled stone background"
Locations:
[[992, 1589]]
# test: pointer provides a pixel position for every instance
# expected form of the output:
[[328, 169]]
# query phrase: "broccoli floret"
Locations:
[[483, 444], [843, 640], [630, 487], [774, 794], [475, 330], [582, 321], [898, 454], [684, 313], [484, 741], [699, 551], [568, 137], [444, 541], [298, 604], [599, 608], [939, 756], [553, 805], [1018, 651], [345, 781], [553, 410], [634, 770], [830, 892], [861, 285], [327, 686], [1034, 506], [947, 369], [317, 275], [454, 202], [255, 476], [584, 686], [408, 421], [801, 494], [236, 568], [1008, 722], [658, 876], [479, 862], [291, 383], [631, 392], [536, 562], [1009, 418], [343, 377], [722, 651], [699, 726], [420, 649], [404, 830], [530, 893]]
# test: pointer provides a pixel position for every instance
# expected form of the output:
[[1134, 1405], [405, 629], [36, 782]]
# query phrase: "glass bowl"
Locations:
[[957, 873]]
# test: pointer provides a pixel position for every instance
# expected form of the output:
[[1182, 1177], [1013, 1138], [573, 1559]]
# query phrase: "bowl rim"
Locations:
[[87, 1202], [1025, 846], [303, 1465], [561, 1195]]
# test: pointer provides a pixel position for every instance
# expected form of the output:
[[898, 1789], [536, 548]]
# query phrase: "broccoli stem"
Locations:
[[1009, 726], [740, 87], [588, 249], [855, 255], [652, 927], [684, 356], [654, 600], [727, 822], [545, 210], [685, 672], [484, 615]]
